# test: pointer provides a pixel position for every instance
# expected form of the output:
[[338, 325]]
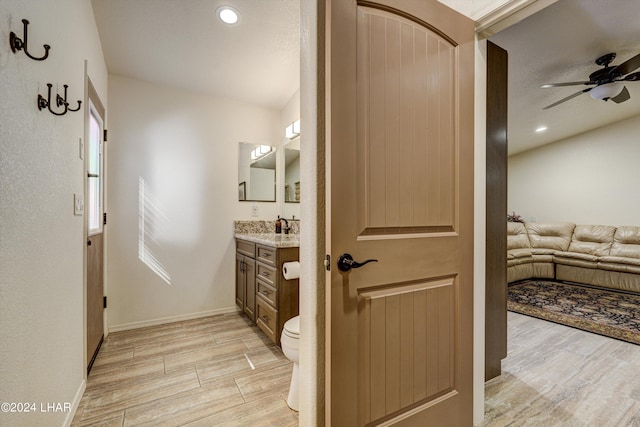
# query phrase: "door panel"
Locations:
[[240, 280], [405, 90], [397, 326], [250, 288], [401, 191], [95, 295]]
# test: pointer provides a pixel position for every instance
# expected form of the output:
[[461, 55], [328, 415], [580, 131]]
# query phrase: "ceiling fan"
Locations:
[[605, 81]]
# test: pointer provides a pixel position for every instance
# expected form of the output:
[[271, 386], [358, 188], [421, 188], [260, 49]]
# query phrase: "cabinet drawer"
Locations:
[[246, 248], [266, 273], [266, 255], [266, 319], [268, 292]]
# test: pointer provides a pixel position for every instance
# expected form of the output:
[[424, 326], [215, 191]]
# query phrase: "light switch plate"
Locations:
[[78, 204], [81, 148], [254, 210]]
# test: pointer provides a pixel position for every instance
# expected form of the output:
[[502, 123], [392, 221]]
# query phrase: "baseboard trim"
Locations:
[[172, 319], [75, 404]]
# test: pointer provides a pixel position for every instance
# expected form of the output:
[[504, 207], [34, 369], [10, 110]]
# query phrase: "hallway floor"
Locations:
[[219, 370], [199, 373], [555, 375]]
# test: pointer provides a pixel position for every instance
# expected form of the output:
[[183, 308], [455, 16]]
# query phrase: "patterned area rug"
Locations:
[[613, 314]]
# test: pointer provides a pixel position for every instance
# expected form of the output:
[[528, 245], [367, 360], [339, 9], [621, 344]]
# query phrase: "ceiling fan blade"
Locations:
[[548, 85], [623, 96], [626, 67], [567, 98], [632, 77]]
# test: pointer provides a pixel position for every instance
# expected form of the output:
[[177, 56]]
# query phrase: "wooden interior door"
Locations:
[[94, 212], [400, 190]]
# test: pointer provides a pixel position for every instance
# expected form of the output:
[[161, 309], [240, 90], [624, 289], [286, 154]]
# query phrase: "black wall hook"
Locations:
[[21, 44], [60, 101]]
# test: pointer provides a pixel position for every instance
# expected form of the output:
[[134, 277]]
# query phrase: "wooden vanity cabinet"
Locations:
[[275, 299], [246, 278]]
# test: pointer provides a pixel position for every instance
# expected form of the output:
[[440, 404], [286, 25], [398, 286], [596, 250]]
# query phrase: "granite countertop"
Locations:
[[271, 239]]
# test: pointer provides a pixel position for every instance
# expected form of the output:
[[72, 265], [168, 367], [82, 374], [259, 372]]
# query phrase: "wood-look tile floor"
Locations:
[[559, 376], [222, 370], [219, 370]]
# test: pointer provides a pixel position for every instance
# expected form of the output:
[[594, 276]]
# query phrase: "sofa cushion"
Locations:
[[560, 257], [542, 258], [592, 239], [620, 260], [556, 236], [626, 242], [621, 267], [569, 258], [519, 261], [517, 236], [542, 251], [518, 253]]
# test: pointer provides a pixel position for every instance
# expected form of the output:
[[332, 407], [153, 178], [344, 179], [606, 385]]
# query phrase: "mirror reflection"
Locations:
[[256, 172], [292, 173]]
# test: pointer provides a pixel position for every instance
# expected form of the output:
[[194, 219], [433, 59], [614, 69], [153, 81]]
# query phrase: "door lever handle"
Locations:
[[346, 262]]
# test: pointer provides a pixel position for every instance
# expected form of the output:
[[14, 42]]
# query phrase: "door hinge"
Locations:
[[104, 301], [104, 218], [104, 136], [327, 262]]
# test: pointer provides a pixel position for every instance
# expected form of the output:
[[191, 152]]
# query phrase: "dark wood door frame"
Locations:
[[496, 211]]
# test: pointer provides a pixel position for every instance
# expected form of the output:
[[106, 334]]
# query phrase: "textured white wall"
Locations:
[[184, 146], [288, 115], [587, 179], [41, 241]]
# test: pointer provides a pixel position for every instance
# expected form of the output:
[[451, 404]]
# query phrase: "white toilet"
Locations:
[[289, 342]]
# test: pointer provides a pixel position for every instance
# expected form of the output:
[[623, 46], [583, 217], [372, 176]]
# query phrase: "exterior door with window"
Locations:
[[400, 170], [95, 239]]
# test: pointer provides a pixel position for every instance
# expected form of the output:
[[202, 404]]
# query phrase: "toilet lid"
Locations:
[[292, 327]]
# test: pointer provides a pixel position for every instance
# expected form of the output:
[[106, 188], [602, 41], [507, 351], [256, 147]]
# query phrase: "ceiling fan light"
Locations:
[[606, 91]]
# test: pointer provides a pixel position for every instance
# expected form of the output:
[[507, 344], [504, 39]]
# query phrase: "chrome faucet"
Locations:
[[286, 226]]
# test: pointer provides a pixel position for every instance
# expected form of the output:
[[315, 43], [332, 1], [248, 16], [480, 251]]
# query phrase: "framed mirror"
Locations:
[[256, 172], [292, 172]]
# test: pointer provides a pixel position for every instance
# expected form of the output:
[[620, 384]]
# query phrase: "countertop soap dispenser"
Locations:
[[278, 225]]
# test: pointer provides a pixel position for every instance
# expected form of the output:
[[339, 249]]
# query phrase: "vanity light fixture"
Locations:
[[541, 129], [261, 151], [228, 15], [293, 130]]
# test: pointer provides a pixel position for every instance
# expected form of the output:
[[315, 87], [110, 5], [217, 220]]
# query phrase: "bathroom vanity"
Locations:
[[262, 292]]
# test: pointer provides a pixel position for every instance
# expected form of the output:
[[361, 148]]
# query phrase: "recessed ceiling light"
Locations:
[[541, 129], [228, 15]]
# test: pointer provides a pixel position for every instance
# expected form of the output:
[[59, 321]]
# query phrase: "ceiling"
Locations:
[[560, 44], [183, 44]]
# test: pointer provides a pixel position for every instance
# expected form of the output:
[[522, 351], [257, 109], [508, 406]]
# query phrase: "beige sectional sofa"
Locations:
[[598, 255]]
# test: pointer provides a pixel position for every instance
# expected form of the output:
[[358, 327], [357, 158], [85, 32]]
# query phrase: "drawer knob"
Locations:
[[265, 318]]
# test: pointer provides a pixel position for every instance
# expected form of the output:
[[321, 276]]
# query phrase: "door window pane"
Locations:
[[94, 185]]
